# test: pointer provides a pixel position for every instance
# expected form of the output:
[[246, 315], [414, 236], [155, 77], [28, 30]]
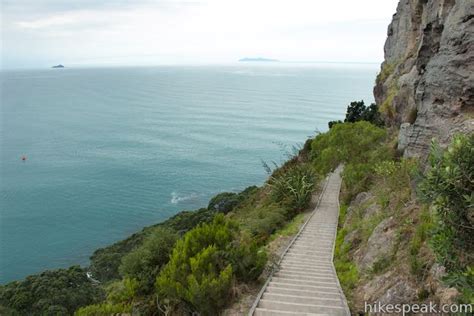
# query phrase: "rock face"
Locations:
[[426, 83]]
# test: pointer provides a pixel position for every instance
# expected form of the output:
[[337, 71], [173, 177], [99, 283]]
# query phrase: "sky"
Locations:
[[41, 33]]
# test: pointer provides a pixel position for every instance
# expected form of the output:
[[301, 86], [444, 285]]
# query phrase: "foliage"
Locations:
[[290, 228], [394, 181], [381, 265], [294, 187], [104, 309], [386, 108], [226, 201], [145, 262], [358, 111], [386, 71], [122, 291], [347, 271], [247, 258], [417, 265], [463, 280], [332, 123], [58, 292], [449, 185], [201, 268], [346, 143], [262, 220]]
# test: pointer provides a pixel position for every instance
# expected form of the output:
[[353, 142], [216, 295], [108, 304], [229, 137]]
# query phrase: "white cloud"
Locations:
[[208, 31]]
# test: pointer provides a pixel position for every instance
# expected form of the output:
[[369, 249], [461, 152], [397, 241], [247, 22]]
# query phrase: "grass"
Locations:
[[381, 265], [386, 107], [347, 271], [417, 263], [290, 229], [386, 71]]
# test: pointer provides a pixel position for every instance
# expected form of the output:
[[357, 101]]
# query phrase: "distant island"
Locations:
[[258, 59], [58, 66]]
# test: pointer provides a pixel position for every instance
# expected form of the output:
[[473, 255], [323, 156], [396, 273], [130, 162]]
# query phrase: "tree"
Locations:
[[357, 111], [145, 262], [449, 186], [200, 272]]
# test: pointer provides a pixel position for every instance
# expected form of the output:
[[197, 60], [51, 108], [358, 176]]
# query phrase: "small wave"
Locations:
[[177, 198]]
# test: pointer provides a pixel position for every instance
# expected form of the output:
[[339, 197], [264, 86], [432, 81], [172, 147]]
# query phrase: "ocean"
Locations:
[[110, 150]]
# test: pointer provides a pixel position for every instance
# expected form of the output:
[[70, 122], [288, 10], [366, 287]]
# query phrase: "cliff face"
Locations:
[[426, 83]]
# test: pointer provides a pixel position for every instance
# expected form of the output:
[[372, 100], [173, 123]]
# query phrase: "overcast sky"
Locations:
[[39, 33]]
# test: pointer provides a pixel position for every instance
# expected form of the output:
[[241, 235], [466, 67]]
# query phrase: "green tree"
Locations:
[[145, 262], [449, 186], [358, 111], [200, 272], [58, 292]]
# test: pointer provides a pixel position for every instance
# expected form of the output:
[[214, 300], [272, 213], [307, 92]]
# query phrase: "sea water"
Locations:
[[109, 150]]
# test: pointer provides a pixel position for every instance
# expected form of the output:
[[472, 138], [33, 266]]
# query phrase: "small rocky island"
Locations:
[[257, 59], [58, 66]]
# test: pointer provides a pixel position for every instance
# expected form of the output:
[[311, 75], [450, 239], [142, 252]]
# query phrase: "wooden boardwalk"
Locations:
[[305, 282]]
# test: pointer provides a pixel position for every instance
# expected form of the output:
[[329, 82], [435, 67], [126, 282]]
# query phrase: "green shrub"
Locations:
[[380, 265], [104, 309], [58, 292], [294, 187], [226, 201], [247, 258], [290, 228], [385, 72], [346, 143], [449, 186], [145, 262], [423, 229], [394, 181], [123, 291], [347, 271], [262, 221], [356, 178], [201, 269], [386, 108], [464, 281]]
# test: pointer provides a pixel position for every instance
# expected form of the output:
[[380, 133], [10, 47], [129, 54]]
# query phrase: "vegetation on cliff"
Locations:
[[58, 292], [410, 228]]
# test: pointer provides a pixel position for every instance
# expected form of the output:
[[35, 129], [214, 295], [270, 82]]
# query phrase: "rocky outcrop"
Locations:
[[426, 83]]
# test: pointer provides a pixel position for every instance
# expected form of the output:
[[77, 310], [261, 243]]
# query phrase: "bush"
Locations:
[[145, 262], [346, 143], [227, 201], [123, 291], [262, 221], [105, 262], [247, 258], [347, 271], [294, 187], [386, 71], [224, 202], [104, 309], [201, 269], [449, 186], [58, 292]]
